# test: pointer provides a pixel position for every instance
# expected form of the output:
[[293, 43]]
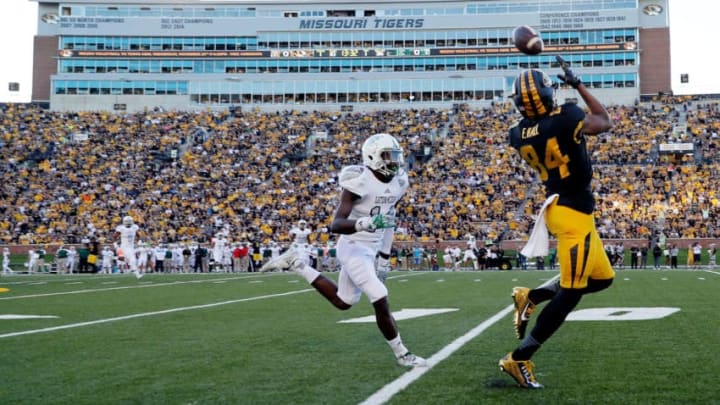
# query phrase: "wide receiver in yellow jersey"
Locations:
[[551, 139]]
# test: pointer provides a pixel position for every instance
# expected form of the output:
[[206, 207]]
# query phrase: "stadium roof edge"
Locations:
[[250, 2]]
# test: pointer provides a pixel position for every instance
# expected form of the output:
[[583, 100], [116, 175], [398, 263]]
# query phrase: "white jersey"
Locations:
[[142, 255], [177, 257], [274, 251], [159, 253], [6, 262], [455, 252], [300, 236], [127, 235], [376, 197], [107, 258], [219, 246]]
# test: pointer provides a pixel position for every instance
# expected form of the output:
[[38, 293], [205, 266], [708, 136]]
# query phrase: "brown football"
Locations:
[[527, 40]]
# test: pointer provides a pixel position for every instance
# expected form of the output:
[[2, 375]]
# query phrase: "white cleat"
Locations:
[[410, 360], [138, 275], [286, 261]]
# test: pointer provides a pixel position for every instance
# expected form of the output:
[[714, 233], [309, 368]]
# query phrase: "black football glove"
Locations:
[[568, 76]]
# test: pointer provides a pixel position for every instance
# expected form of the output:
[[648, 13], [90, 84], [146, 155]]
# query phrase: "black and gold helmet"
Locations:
[[534, 94]]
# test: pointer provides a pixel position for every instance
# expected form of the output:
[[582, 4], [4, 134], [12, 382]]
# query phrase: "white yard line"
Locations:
[[166, 284], [388, 391], [402, 382], [146, 314], [60, 278], [379, 397]]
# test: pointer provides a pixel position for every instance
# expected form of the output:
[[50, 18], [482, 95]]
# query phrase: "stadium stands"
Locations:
[[184, 175]]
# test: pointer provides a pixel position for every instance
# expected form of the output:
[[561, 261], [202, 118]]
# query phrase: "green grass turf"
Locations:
[[221, 339]]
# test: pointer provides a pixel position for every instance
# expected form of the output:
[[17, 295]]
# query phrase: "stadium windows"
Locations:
[[340, 13]]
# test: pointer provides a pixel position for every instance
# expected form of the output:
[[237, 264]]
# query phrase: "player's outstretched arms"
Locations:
[[598, 120]]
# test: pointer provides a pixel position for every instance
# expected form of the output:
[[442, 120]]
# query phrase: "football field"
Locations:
[[652, 338]]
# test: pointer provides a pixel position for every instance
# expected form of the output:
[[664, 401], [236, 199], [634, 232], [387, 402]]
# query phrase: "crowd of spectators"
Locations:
[[185, 175]]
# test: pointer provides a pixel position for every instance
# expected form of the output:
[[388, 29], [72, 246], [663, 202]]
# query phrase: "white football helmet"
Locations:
[[302, 224], [128, 221], [382, 153]]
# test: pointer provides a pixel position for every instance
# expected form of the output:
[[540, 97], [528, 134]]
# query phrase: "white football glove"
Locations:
[[382, 268], [370, 224], [365, 224]]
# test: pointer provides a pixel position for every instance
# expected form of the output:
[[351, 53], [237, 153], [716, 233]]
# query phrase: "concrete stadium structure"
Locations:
[[351, 55]]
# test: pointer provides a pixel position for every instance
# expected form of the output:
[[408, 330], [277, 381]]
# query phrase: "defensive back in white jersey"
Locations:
[[376, 197]]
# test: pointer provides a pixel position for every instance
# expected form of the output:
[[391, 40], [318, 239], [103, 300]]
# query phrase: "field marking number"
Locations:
[[621, 313]]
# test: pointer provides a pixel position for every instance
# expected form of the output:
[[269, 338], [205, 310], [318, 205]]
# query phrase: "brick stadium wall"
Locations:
[[44, 65], [518, 244], [506, 245], [655, 73]]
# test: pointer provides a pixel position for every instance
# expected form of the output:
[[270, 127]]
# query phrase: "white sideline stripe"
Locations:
[[143, 285], [402, 382], [146, 314], [85, 277], [150, 284], [387, 392], [405, 275]]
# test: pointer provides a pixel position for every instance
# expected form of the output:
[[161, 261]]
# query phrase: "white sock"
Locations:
[[397, 346], [308, 273]]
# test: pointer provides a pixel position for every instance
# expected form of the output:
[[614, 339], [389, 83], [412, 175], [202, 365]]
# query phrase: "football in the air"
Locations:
[[527, 40]]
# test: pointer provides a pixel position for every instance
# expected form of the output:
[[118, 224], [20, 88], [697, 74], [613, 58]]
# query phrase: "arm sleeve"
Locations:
[[387, 240], [572, 119]]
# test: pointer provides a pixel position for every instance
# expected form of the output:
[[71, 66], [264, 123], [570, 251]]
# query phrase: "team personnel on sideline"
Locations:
[[365, 220], [6, 262], [127, 231], [551, 140], [300, 237]]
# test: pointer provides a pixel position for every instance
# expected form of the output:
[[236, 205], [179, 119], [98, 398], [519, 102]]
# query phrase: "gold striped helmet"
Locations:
[[534, 94]]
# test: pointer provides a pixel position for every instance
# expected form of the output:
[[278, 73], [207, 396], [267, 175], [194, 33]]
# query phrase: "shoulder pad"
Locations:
[[351, 179], [350, 172]]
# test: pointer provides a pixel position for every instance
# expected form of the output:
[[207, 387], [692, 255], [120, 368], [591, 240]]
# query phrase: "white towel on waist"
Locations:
[[539, 243]]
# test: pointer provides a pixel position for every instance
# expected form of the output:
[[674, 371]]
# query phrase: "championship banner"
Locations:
[[330, 53]]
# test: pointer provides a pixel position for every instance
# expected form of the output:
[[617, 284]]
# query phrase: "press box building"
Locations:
[[272, 55]]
